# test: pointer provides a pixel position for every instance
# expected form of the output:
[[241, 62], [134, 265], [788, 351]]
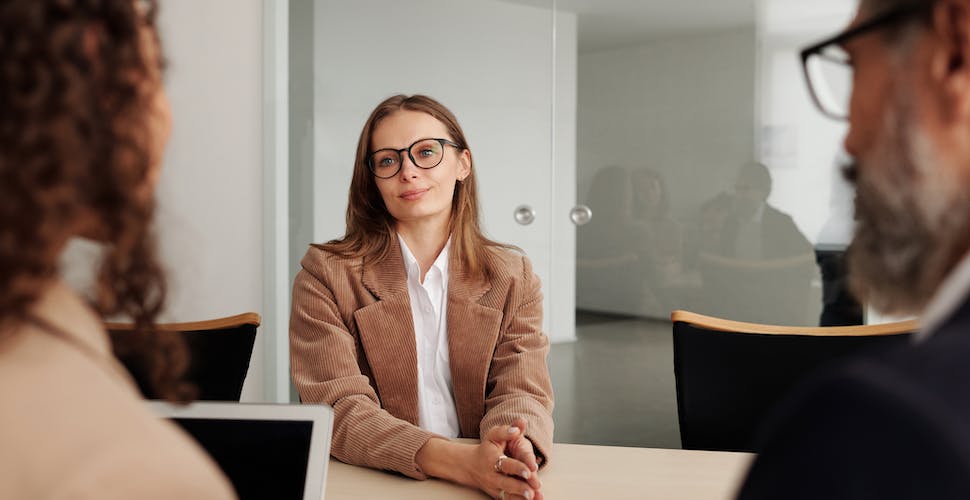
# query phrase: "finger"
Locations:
[[524, 452], [515, 468], [513, 488], [502, 433], [521, 423]]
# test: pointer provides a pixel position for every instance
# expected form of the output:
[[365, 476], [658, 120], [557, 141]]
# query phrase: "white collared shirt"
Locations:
[[948, 298], [437, 411]]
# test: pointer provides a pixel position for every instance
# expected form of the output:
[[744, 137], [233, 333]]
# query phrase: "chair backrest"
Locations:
[[220, 351], [730, 374]]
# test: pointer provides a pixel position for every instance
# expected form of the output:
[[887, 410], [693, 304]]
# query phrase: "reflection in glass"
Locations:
[[753, 261]]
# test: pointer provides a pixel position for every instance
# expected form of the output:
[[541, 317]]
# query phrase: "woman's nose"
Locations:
[[408, 168]]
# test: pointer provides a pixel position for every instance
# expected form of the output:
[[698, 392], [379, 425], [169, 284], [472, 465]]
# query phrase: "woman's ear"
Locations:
[[464, 164]]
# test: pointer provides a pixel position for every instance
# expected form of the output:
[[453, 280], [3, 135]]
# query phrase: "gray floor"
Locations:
[[615, 385]]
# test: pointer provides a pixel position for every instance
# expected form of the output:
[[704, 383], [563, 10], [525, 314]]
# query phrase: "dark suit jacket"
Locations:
[[889, 426], [780, 236], [352, 346]]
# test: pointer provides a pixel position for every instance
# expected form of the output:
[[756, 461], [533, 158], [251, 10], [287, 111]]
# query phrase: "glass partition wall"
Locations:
[[647, 156], [713, 187]]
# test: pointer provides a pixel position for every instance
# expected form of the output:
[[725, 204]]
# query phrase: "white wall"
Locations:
[[210, 193]]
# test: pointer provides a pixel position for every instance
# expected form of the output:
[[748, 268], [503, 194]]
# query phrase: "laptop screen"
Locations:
[[262, 458], [266, 451]]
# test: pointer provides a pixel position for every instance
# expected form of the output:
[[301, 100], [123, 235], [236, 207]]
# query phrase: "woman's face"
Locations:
[[417, 195]]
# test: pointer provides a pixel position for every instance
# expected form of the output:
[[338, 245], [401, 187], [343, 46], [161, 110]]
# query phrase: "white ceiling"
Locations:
[[616, 23]]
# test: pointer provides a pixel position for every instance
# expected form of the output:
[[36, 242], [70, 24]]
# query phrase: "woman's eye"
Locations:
[[386, 162]]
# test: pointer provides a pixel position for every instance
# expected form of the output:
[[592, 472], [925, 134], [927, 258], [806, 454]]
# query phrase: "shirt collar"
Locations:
[[411, 262], [947, 299]]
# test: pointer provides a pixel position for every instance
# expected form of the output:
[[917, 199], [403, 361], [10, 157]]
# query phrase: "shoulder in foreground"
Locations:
[[864, 430], [863, 391]]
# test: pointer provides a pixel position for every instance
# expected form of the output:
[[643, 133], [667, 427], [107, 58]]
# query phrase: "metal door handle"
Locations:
[[525, 215], [580, 215]]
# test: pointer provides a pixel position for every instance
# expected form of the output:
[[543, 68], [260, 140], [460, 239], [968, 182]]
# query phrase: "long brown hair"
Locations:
[[370, 226], [77, 82]]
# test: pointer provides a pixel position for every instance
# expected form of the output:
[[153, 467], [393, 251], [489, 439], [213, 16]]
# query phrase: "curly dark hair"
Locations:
[[77, 82]]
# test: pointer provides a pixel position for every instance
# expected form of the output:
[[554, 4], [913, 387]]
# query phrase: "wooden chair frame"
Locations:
[[247, 318], [725, 325]]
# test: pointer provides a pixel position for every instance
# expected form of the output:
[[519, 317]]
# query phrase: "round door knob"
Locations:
[[580, 215], [525, 215]]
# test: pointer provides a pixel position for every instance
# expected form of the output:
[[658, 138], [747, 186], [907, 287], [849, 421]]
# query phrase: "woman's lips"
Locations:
[[413, 194]]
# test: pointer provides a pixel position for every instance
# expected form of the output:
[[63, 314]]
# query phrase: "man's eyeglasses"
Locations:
[[424, 153], [828, 69]]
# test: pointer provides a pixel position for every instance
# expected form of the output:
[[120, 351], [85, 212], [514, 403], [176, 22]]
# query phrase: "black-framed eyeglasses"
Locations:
[[828, 68], [424, 153]]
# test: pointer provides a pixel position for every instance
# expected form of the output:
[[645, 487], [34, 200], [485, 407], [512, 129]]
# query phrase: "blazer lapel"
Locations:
[[386, 332], [473, 331]]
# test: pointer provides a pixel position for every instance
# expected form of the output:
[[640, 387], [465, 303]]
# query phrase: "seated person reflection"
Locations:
[[415, 327], [754, 262], [83, 125]]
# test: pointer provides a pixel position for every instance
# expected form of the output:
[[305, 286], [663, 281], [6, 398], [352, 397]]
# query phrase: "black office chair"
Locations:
[[219, 349], [730, 374]]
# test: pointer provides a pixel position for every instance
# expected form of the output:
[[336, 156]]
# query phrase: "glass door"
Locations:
[[708, 187]]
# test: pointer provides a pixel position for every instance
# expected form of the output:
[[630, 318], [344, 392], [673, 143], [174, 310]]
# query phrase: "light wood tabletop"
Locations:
[[575, 471]]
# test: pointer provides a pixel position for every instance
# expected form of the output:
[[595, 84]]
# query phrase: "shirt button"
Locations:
[[427, 309], [437, 401]]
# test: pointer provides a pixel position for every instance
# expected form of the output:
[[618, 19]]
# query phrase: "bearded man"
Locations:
[[894, 425]]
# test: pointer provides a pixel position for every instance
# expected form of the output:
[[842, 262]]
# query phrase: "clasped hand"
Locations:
[[506, 463], [503, 464]]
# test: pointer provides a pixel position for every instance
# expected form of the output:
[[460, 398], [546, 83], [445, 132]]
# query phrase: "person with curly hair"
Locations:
[[417, 328], [83, 122]]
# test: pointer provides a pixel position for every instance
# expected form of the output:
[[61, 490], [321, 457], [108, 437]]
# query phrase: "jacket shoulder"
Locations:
[[509, 263], [323, 263]]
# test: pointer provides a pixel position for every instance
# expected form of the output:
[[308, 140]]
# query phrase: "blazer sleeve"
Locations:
[[861, 434], [518, 380], [323, 363]]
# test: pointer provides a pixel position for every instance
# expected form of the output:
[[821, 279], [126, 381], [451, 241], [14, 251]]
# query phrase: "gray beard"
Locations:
[[912, 220]]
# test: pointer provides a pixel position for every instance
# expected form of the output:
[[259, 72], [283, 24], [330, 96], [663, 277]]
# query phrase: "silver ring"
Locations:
[[498, 468], [501, 494]]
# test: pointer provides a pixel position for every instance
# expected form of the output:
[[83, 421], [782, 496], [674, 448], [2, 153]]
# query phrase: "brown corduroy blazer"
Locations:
[[352, 346]]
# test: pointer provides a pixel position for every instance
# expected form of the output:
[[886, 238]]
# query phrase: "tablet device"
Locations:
[[266, 450]]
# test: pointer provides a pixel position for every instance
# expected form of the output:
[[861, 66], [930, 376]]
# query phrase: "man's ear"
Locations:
[[950, 60]]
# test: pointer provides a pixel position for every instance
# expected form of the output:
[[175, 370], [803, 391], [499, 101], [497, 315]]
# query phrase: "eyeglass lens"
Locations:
[[426, 153], [831, 76]]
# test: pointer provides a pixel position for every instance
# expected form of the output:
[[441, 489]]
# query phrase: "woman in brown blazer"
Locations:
[[415, 327], [83, 121]]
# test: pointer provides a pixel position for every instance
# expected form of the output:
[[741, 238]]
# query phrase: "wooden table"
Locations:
[[576, 471]]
